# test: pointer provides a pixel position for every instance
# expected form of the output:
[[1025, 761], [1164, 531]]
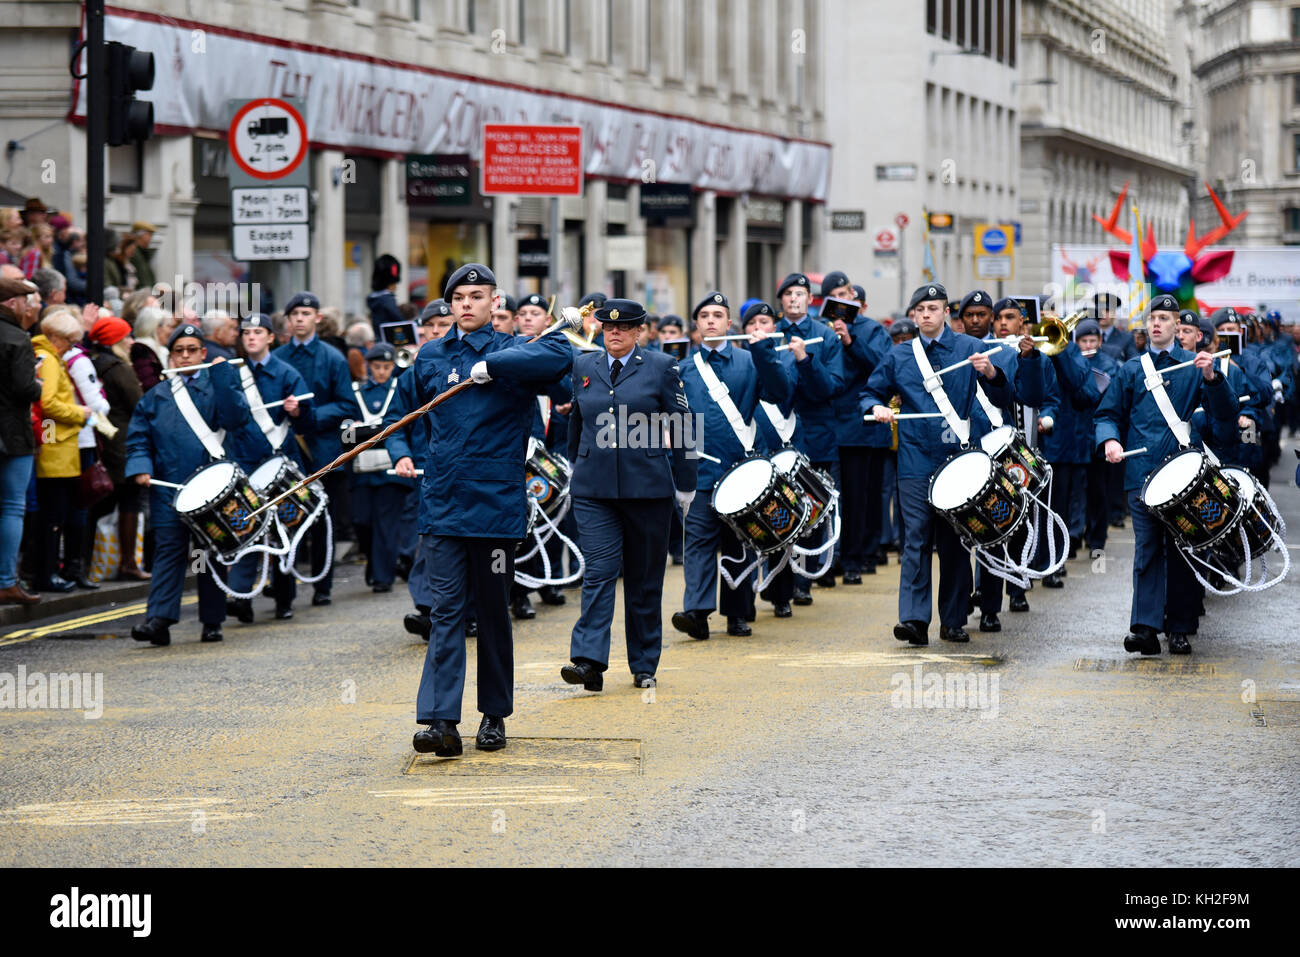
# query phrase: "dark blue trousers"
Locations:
[[862, 470], [925, 533], [1164, 588], [1097, 523], [706, 535], [418, 584], [380, 507], [173, 555], [456, 566], [633, 533]]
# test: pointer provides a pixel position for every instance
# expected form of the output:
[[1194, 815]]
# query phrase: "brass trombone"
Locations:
[[1055, 331]]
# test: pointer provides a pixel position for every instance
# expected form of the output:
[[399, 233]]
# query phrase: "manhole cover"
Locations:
[[1151, 666], [1276, 714], [565, 756]]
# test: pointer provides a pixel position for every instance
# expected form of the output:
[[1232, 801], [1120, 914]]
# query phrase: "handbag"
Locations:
[[95, 482]]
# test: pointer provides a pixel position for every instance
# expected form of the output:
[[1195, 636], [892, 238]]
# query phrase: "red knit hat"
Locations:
[[108, 330]]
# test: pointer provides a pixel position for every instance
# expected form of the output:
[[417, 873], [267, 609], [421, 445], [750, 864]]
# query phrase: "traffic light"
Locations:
[[129, 70]]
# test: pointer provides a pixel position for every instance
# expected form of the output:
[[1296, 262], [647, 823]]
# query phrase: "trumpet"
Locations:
[[405, 356], [1055, 332]]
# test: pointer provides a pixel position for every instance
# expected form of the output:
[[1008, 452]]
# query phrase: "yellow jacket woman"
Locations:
[[61, 416]]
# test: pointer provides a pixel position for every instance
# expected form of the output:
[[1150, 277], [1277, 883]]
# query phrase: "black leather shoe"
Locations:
[[1117, 523], [782, 609], [1053, 581], [242, 610], [1142, 641], [550, 595], [418, 624], [81, 581], [1019, 603], [440, 739], [751, 616], [914, 632], [802, 597], [643, 680], [882, 558], [55, 583], [677, 559], [1178, 644], [471, 627], [957, 634], [826, 581], [381, 588], [738, 627], [283, 612], [693, 623], [403, 567], [869, 568], [154, 630], [583, 673], [855, 578], [319, 599], [989, 622], [522, 609], [491, 733], [212, 633]]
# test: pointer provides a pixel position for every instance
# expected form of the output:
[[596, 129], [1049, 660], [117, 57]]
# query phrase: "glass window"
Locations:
[[1295, 23], [961, 23], [931, 16], [947, 18], [987, 28], [1292, 217], [1295, 154]]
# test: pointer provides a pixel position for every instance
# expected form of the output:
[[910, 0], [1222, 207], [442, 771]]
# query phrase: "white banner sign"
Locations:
[[355, 103]]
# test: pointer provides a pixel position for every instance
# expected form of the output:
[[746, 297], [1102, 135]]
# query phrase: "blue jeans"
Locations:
[[15, 474]]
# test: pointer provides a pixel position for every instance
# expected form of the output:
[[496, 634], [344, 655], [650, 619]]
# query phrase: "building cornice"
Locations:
[[1029, 131]]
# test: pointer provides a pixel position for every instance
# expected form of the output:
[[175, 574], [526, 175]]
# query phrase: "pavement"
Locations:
[[290, 742]]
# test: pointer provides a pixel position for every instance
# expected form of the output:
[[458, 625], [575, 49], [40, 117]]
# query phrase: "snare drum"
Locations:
[[546, 477], [374, 459], [978, 499], [1259, 520], [763, 505], [815, 484], [277, 475], [1193, 498], [217, 503], [1010, 449]]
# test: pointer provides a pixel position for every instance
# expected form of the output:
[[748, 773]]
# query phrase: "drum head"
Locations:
[[265, 473], [742, 486], [1173, 478], [787, 460], [997, 440], [205, 486], [960, 479], [1245, 481]]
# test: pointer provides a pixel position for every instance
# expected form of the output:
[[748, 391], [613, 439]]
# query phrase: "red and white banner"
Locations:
[[355, 102]]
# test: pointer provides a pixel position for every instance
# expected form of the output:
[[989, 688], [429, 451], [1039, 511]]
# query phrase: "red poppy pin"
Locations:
[[586, 381]]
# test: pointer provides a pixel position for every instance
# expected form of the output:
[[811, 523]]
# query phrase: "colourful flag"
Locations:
[[1136, 269], [927, 268]]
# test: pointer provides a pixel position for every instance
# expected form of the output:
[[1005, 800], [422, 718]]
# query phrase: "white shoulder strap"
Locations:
[[992, 411], [1155, 384], [718, 393], [934, 386], [361, 403], [784, 425], [383, 410], [212, 441], [275, 434]]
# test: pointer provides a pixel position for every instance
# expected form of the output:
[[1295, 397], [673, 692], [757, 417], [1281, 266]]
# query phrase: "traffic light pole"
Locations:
[[96, 97]]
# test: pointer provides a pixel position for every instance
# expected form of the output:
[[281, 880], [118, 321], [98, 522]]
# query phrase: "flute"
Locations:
[[965, 362], [202, 365], [1191, 362], [806, 342], [272, 405], [418, 472]]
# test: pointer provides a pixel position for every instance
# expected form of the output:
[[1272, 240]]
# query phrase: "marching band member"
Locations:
[[1121, 345], [891, 508], [435, 321], [325, 371], [478, 441], [263, 378], [1087, 334], [725, 384], [821, 377], [378, 499], [924, 445], [1147, 410], [623, 494], [178, 426], [503, 317], [1234, 443]]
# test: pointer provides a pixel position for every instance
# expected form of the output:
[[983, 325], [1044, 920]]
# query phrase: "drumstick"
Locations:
[[739, 338], [903, 417], [703, 455], [418, 472], [1130, 452], [1191, 362], [272, 405], [160, 482], [202, 365], [571, 321], [965, 362], [806, 342]]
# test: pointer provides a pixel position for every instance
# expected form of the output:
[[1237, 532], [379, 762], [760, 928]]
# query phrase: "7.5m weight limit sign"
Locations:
[[532, 160]]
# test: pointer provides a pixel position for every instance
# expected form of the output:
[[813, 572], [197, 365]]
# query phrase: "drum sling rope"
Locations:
[[286, 552], [540, 539], [1244, 583], [800, 555], [734, 581]]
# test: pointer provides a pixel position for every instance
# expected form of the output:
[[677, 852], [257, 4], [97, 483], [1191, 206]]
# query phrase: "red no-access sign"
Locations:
[[534, 160]]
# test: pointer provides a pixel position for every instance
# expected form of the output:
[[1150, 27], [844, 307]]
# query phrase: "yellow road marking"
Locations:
[[117, 812], [98, 618]]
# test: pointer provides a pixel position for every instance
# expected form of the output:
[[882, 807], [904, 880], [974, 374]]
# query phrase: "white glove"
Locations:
[[1277, 391], [104, 427], [479, 372], [684, 500]]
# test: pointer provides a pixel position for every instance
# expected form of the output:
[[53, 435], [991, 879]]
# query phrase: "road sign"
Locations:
[[901, 220], [268, 141], [256, 243], [995, 252], [438, 179], [532, 160], [853, 220], [886, 242], [941, 222], [269, 206]]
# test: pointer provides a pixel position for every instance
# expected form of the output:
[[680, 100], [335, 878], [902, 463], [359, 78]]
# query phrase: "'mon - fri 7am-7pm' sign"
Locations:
[[532, 160]]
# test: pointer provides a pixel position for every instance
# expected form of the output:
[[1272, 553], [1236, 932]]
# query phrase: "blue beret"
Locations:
[[833, 280], [621, 310], [1105, 300], [382, 350], [931, 290], [1165, 303], [976, 298], [186, 330], [903, 327], [308, 299], [1188, 318], [859, 293], [1088, 327], [794, 279], [714, 298], [671, 320], [470, 274], [535, 300], [1207, 329], [508, 303], [256, 320], [596, 299], [438, 307], [1224, 316], [1006, 302], [757, 309]]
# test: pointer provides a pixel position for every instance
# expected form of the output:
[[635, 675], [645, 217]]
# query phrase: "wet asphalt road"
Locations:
[[289, 743]]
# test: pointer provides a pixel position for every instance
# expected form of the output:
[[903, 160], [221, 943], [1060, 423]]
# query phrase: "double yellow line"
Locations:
[[98, 618]]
